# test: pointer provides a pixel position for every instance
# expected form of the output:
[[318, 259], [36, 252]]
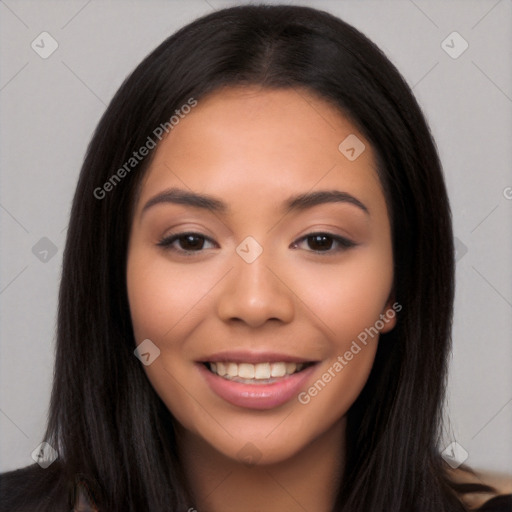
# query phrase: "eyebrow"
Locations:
[[295, 203]]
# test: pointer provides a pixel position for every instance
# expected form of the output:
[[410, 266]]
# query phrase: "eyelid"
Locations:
[[167, 241], [344, 243]]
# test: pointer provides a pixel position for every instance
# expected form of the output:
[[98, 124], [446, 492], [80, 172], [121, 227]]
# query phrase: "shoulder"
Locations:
[[498, 497], [33, 489]]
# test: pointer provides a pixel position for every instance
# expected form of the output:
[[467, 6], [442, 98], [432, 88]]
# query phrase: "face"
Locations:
[[266, 296]]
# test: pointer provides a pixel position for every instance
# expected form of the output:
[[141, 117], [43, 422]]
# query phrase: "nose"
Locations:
[[254, 293]]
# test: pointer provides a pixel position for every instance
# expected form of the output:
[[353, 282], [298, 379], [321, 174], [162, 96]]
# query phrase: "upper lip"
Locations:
[[238, 356]]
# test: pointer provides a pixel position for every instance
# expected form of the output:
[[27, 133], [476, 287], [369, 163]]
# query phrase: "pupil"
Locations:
[[322, 242], [189, 241]]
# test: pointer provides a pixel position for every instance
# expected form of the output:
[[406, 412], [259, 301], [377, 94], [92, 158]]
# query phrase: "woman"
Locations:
[[263, 217]]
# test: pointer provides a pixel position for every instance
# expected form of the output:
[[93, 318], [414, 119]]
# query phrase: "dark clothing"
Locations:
[[498, 504], [33, 489]]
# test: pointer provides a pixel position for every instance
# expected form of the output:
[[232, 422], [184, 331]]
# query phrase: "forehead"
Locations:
[[243, 143]]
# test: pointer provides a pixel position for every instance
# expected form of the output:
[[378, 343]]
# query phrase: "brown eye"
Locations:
[[185, 242], [191, 242], [320, 242], [324, 243]]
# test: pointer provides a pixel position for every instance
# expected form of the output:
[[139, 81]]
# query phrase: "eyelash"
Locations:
[[167, 242]]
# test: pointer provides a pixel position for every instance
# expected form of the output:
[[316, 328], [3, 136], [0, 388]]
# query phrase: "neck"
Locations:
[[309, 480]]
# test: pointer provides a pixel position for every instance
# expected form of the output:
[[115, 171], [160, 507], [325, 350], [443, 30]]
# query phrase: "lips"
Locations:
[[256, 380]]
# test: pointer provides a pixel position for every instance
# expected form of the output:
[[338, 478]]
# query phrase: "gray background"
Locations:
[[49, 108]]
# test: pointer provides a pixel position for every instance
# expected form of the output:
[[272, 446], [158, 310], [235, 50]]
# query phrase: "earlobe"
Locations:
[[389, 314]]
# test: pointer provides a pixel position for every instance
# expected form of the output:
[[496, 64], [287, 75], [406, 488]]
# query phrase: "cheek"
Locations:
[[162, 300], [348, 300], [348, 297], [162, 295]]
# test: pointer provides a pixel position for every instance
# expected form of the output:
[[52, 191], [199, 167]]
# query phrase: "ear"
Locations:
[[389, 314]]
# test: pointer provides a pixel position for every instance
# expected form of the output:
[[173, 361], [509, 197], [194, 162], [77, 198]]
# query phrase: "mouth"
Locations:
[[259, 373], [260, 381]]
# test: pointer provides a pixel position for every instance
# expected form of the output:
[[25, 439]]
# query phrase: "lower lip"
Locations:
[[257, 396]]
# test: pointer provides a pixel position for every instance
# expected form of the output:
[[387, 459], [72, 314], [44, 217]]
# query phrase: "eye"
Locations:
[[324, 243], [189, 243]]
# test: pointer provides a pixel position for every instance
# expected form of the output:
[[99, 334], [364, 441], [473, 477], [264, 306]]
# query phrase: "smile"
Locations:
[[264, 383], [251, 373]]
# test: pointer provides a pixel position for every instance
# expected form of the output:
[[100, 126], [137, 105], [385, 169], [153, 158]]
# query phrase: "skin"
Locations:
[[253, 148]]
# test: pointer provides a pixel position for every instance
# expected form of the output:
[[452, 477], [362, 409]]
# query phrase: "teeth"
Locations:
[[278, 369], [221, 369], [291, 368], [232, 369], [246, 371], [260, 371]]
